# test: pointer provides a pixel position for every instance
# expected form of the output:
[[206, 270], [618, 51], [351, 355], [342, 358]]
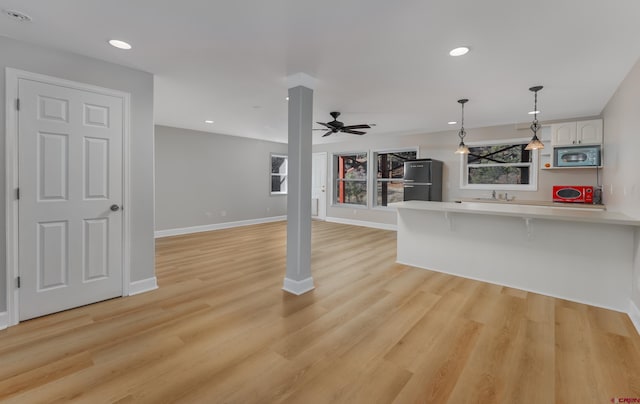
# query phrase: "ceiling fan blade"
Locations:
[[354, 132], [362, 126], [327, 134], [319, 129], [325, 125]]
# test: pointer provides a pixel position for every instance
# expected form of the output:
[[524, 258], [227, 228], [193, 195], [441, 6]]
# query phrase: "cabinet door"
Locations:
[[589, 132], [563, 134]]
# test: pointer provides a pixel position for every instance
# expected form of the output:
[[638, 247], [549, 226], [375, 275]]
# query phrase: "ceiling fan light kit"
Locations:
[[336, 126]]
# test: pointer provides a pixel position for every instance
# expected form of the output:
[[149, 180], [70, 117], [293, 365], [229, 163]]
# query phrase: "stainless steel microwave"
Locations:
[[577, 156]]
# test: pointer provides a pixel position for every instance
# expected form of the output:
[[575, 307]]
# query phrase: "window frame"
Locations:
[[334, 180], [272, 174], [374, 173], [533, 168]]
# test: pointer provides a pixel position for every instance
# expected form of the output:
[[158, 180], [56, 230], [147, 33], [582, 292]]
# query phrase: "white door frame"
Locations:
[[11, 180], [326, 178]]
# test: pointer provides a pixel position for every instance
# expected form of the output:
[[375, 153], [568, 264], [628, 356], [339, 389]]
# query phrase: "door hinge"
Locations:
[[18, 104], [18, 282], [17, 193]]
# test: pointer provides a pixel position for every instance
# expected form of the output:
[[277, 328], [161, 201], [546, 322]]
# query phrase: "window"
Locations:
[[350, 178], [504, 165], [278, 174], [390, 172]]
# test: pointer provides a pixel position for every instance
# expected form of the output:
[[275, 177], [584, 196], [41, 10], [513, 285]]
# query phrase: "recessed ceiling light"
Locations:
[[208, 121], [533, 112], [459, 51], [17, 15], [452, 123], [116, 43], [287, 98]]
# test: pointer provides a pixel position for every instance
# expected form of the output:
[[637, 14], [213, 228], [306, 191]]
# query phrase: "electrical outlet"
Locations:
[[355, 211], [268, 209], [223, 213], [208, 214], [611, 189]]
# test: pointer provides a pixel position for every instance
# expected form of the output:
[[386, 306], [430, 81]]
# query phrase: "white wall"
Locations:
[[204, 179], [24, 56], [441, 146], [622, 165]]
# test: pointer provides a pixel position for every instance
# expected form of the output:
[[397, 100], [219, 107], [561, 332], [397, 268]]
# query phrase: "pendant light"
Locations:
[[462, 148], [535, 143]]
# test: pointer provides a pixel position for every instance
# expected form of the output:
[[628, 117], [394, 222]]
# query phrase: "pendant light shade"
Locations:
[[535, 143], [462, 148]]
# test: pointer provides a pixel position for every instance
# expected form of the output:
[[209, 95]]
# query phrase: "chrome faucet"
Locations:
[[493, 194]]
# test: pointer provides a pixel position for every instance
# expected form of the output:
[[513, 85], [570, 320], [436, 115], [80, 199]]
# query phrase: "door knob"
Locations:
[[114, 208]]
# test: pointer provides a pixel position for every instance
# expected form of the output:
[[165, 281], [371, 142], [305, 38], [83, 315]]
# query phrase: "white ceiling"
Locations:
[[376, 61]]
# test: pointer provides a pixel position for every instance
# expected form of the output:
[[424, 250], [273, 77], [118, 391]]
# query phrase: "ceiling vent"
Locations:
[[17, 15]]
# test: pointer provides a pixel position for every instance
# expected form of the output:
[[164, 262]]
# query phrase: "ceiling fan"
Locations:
[[336, 126]]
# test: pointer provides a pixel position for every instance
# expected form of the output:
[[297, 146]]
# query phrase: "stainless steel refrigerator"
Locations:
[[423, 180]]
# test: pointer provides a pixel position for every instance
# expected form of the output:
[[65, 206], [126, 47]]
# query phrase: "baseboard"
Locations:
[[4, 320], [362, 223], [298, 287], [144, 285], [634, 315], [216, 226]]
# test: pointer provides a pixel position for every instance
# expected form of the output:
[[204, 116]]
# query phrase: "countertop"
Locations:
[[524, 211], [565, 205]]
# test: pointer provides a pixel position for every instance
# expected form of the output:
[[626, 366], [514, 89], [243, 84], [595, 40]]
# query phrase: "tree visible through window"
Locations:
[[500, 165], [389, 177], [351, 178], [278, 174]]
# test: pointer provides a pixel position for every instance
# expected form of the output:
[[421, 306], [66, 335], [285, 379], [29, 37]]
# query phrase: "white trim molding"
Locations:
[[298, 287], [216, 226], [4, 320], [363, 223], [634, 315], [142, 286]]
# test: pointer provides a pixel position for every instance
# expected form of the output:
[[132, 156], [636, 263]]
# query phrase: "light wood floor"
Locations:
[[220, 330]]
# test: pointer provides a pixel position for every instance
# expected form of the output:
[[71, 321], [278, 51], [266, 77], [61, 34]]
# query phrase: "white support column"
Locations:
[[298, 278]]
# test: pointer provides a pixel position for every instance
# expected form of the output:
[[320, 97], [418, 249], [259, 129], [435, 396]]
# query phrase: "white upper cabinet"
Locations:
[[575, 133], [589, 132], [563, 133]]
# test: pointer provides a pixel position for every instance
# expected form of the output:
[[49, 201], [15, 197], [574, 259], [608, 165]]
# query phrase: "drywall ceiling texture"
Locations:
[[376, 61], [204, 179], [23, 56]]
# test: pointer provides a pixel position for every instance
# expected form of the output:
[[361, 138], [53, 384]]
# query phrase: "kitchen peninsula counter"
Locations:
[[582, 255], [568, 213]]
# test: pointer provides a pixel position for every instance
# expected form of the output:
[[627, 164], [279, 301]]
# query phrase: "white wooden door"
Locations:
[[319, 184], [70, 175]]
